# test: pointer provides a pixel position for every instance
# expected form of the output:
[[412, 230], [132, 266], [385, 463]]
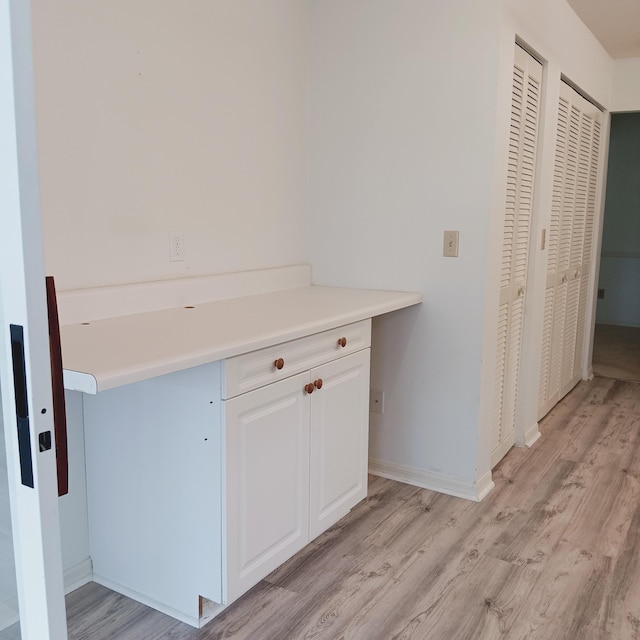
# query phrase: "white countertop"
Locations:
[[116, 351]]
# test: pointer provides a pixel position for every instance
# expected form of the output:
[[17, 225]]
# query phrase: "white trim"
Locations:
[[484, 484], [78, 575], [440, 482], [530, 436], [32, 485], [193, 621], [8, 614]]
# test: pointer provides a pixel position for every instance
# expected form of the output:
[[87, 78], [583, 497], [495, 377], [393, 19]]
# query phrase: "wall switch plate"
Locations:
[[176, 246], [376, 401], [450, 249], [600, 294]]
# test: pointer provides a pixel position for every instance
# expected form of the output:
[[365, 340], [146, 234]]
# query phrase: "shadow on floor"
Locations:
[[616, 352]]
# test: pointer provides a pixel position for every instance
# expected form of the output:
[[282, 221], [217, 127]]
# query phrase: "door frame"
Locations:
[[26, 386]]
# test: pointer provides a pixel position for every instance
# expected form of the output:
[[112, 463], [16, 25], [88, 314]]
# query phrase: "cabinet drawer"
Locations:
[[257, 368]]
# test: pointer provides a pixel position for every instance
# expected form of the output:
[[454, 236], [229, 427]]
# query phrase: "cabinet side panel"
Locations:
[[154, 487], [73, 507]]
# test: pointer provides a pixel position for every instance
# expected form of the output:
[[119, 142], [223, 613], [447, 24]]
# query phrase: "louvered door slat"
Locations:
[[515, 247], [501, 359], [547, 326], [572, 221]]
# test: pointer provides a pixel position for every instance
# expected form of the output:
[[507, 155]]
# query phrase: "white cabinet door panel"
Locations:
[[267, 480], [339, 439]]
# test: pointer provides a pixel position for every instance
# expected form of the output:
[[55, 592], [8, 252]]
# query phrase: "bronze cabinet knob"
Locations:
[[309, 388], [342, 342], [318, 383], [279, 363]]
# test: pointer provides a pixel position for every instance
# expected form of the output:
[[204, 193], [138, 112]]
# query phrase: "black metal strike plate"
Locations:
[[22, 404]]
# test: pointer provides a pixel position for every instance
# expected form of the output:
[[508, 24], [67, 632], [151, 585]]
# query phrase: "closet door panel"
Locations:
[[571, 233], [557, 255], [547, 326], [527, 76]]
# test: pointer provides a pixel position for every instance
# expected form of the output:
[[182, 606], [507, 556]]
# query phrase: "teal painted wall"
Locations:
[[620, 262]]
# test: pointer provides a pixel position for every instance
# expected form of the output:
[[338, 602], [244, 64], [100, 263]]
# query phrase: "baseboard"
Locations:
[[484, 484], [440, 482], [78, 575], [193, 621], [74, 577], [530, 436], [8, 614]]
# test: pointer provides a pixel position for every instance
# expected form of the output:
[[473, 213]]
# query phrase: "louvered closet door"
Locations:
[[571, 232], [525, 107]]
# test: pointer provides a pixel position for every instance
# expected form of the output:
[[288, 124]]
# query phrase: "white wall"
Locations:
[[626, 85], [153, 117], [162, 116], [402, 131], [409, 113]]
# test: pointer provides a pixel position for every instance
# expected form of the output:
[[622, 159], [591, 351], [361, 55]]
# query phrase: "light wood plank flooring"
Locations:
[[616, 352], [552, 553]]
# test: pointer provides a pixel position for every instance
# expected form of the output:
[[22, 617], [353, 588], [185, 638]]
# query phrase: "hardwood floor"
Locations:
[[616, 352], [552, 553]]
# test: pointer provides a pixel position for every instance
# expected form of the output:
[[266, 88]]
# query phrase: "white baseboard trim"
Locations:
[[452, 486], [78, 575], [484, 484], [531, 435], [191, 620], [8, 614]]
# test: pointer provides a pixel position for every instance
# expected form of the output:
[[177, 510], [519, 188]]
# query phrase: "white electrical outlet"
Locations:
[[376, 401], [176, 246], [450, 249]]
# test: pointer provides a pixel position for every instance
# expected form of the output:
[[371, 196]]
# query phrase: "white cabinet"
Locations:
[[296, 458], [196, 494], [339, 440], [267, 479]]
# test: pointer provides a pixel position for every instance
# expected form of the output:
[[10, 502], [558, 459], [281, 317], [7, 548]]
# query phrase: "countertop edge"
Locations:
[[93, 382]]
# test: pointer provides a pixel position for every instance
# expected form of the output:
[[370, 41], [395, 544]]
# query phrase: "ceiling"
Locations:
[[616, 23]]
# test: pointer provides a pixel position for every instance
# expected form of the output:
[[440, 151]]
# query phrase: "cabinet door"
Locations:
[[267, 480], [339, 439]]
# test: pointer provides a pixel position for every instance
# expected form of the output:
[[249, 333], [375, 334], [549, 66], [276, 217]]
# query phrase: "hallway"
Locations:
[[616, 352]]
